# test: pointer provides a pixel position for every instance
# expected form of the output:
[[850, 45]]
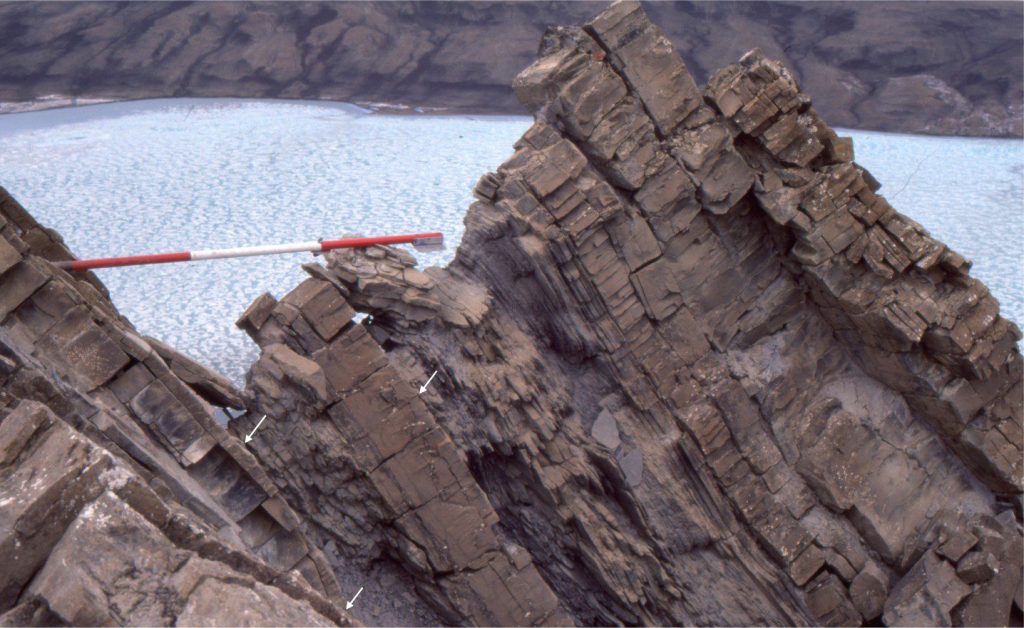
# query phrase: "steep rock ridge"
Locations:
[[698, 366], [948, 68], [123, 499], [355, 448]]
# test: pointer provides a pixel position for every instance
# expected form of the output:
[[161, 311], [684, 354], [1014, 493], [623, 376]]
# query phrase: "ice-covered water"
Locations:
[[167, 175], [967, 192]]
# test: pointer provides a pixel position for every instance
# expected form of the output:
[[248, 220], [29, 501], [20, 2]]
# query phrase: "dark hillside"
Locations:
[[935, 67]]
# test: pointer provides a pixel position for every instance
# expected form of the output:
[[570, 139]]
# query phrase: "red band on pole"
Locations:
[[352, 243], [132, 260]]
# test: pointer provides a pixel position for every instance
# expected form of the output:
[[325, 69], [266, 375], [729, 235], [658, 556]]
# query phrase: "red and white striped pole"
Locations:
[[423, 241]]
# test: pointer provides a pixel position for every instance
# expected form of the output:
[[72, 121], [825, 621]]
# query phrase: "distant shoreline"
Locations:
[[945, 69], [51, 102], [57, 102]]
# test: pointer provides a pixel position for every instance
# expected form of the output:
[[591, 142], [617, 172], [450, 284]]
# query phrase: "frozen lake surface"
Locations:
[[166, 175]]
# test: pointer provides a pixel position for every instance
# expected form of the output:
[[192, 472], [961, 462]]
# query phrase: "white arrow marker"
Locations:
[[423, 388], [248, 437], [349, 604]]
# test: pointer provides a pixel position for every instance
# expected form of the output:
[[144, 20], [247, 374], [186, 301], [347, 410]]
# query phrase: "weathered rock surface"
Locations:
[[948, 68], [122, 501], [692, 369], [89, 541]]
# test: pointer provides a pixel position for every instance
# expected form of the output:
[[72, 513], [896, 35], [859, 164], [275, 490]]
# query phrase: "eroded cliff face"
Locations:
[[945, 67], [123, 500], [692, 369]]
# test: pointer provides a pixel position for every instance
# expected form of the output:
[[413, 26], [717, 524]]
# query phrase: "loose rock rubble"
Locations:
[[692, 368]]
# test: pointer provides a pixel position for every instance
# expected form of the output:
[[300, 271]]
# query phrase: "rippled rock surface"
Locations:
[[692, 369]]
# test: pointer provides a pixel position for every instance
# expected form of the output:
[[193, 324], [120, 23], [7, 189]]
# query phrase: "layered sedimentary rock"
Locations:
[[122, 499], [692, 368]]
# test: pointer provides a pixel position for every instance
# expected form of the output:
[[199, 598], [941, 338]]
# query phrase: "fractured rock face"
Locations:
[[692, 368], [379, 476], [87, 542], [88, 407]]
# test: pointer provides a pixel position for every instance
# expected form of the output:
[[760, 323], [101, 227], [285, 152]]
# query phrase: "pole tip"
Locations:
[[432, 243]]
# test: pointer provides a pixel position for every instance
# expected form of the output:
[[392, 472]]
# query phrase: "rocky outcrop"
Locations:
[[692, 368], [688, 366], [88, 541], [374, 474], [947, 68], [123, 499]]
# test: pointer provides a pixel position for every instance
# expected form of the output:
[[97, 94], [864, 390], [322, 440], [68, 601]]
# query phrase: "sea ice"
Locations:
[[174, 174]]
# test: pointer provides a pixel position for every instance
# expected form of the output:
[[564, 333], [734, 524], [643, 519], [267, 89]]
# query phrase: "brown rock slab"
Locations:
[[657, 288], [925, 595], [19, 282], [207, 383], [868, 591], [9, 256]]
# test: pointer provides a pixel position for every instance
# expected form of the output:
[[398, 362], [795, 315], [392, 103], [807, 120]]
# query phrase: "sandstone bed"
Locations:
[[692, 368]]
